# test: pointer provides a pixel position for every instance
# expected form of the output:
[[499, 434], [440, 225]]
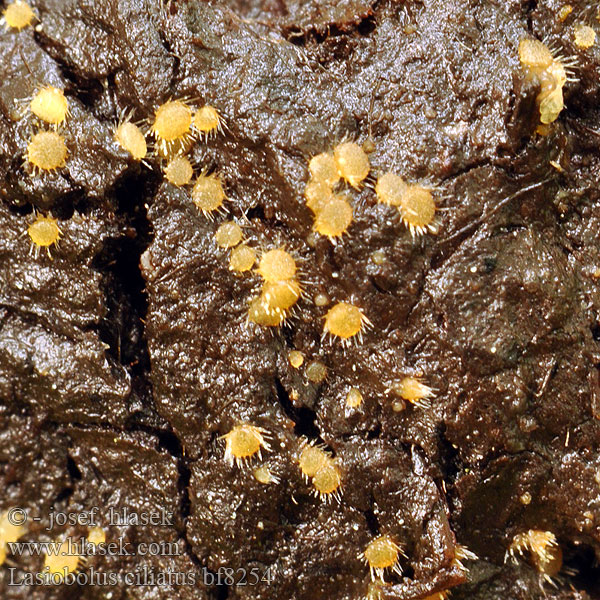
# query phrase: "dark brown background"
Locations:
[[125, 357]]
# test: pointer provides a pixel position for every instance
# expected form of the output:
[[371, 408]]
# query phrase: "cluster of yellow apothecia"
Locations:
[[176, 124], [551, 74], [333, 212], [174, 127], [280, 289], [551, 70], [348, 162]]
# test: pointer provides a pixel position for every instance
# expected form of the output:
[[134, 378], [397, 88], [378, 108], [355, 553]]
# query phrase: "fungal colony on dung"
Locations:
[[335, 176]]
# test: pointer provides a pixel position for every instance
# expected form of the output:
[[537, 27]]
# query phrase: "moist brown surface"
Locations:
[[126, 356]]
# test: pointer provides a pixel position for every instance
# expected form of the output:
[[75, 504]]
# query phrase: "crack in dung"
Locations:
[[304, 418], [468, 231], [167, 438]]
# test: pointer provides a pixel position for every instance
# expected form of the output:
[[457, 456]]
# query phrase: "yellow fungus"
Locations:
[[277, 265], [264, 475], [208, 194], [549, 563], [281, 295], [352, 163], [585, 36], [334, 218], [543, 130], [327, 481], [344, 320], [535, 54], [50, 105], [544, 550], [525, 498], [321, 299], [317, 194], [172, 122], [261, 313], [96, 536], [354, 398], [413, 390], [368, 145], [390, 189], [242, 258], [44, 232], [229, 234], [179, 171], [312, 458], [130, 137], [398, 406], [317, 466], [18, 15], [462, 553], [47, 151], [378, 257], [64, 559], [316, 372], [323, 168], [551, 74], [558, 76], [564, 12], [380, 554], [243, 442], [175, 148], [296, 358], [418, 210], [207, 121], [10, 532], [551, 106], [277, 297]]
